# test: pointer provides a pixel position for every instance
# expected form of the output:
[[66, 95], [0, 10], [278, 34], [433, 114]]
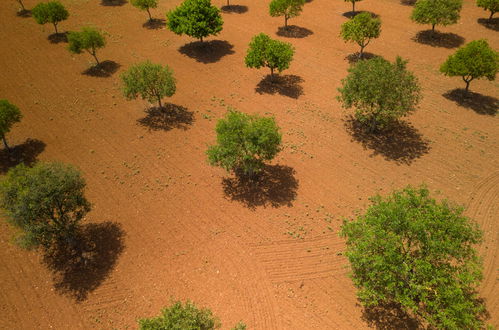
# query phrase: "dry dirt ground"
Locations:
[[166, 225]]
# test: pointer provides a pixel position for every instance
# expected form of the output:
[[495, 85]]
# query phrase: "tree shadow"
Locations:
[[492, 24], [351, 14], [275, 186], [168, 117], [24, 13], [235, 9], [155, 24], [56, 38], [208, 51], [286, 85], [390, 316], [401, 142], [113, 3], [482, 104], [25, 153], [81, 267], [293, 31], [354, 58], [103, 70], [408, 2], [438, 39]]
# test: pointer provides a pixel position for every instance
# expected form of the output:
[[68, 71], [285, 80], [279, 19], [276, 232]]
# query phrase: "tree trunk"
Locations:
[[353, 7], [433, 28], [96, 60], [201, 39], [271, 74], [5, 143], [361, 55], [286, 21], [467, 85], [150, 17], [490, 17], [159, 102], [55, 27], [228, 4], [24, 9]]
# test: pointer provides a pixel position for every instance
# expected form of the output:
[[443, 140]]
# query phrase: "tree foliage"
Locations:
[[244, 143], [437, 12], [382, 92], [353, 4], [145, 5], [88, 39], [50, 12], [266, 52], [196, 18], [9, 115], [361, 30], [286, 8], [151, 82], [474, 61], [46, 202], [490, 5], [419, 253]]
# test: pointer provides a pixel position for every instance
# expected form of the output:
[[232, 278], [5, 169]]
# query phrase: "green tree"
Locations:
[[50, 12], [46, 202], [490, 5], [286, 8], [244, 143], [353, 4], [266, 52], [239, 326], [414, 251], [182, 316], [361, 29], [9, 115], [196, 18], [382, 92], [474, 61], [151, 81], [437, 12], [145, 5], [88, 39]]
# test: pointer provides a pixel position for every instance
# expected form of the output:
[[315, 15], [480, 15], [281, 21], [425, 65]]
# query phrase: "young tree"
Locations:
[[382, 92], [9, 115], [490, 5], [266, 52], [244, 143], [474, 61], [50, 12], [416, 252], [151, 81], [361, 29], [353, 4], [286, 8], [88, 39], [196, 18], [145, 5], [437, 12], [46, 202]]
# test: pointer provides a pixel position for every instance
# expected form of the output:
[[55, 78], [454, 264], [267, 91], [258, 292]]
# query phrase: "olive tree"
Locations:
[[50, 12], [437, 12], [474, 61], [361, 30], [46, 202], [244, 143], [490, 5], [353, 4], [9, 115], [88, 39], [286, 8], [196, 18], [152, 82], [266, 52], [145, 5], [381, 92], [413, 251]]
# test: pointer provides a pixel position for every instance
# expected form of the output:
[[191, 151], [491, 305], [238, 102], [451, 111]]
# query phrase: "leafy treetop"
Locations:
[[50, 12], [361, 29], [9, 115], [286, 8], [145, 5], [266, 52], [490, 5], [437, 12], [88, 39]]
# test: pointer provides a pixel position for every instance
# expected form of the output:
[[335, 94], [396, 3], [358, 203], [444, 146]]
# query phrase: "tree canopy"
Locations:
[[145, 5], [382, 92], [50, 12], [196, 18], [361, 30], [9, 115], [474, 61], [286, 8], [490, 5], [437, 12], [266, 52], [88, 39], [418, 253]]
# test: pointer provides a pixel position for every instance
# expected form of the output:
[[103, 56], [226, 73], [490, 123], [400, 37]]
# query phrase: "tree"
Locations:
[[418, 253], [151, 81], [244, 143], [88, 39], [353, 4], [474, 61], [196, 18], [437, 12], [50, 12], [9, 115], [361, 29], [286, 8], [382, 92], [490, 5], [46, 202], [145, 5], [266, 52]]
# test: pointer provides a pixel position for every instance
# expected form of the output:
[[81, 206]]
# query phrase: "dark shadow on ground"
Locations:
[[208, 51], [168, 117], [275, 186], [25, 153], [492, 24], [482, 104], [390, 316], [24, 13], [401, 143], [354, 58], [81, 267], [113, 3], [408, 2], [351, 14], [103, 70], [56, 38], [235, 9], [293, 31], [286, 85], [439, 39], [155, 24]]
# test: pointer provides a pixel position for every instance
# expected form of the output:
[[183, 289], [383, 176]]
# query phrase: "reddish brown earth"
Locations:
[[168, 230]]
